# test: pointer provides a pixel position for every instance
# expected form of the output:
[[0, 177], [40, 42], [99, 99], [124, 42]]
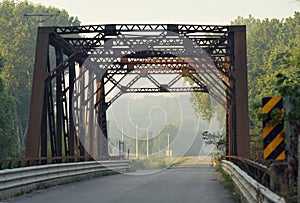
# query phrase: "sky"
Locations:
[[217, 12]]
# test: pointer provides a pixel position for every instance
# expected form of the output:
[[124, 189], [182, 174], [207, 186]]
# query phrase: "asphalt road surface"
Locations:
[[192, 181]]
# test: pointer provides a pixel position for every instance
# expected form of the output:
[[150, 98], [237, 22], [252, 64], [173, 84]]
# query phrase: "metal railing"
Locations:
[[25, 162], [250, 190], [257, 171], [26, 179]]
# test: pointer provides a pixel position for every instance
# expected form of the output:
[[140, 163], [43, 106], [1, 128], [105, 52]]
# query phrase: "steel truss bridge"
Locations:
[[81, 70]]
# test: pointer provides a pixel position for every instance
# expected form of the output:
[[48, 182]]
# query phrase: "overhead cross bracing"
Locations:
[[166, 43]]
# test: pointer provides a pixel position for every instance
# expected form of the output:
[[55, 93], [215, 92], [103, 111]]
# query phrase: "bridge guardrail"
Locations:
[[24, 179], [250, 189], [259, 172], [25, 162]]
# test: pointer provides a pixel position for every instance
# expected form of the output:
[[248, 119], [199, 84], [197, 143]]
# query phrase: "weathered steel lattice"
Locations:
[[91, 63]]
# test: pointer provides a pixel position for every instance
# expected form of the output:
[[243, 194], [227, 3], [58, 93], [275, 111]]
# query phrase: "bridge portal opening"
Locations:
[[95, 65]]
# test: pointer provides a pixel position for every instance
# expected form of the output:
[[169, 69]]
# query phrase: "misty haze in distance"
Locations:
[[156, 112]]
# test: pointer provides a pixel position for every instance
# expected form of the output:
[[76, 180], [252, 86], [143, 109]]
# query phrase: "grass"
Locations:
[[157, 162], [229, 184], [14, 165]]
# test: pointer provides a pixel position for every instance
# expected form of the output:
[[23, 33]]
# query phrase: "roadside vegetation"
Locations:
[[228, 182], [156, 162]]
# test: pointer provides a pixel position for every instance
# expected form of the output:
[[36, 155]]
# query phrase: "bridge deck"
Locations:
[[193, 181]]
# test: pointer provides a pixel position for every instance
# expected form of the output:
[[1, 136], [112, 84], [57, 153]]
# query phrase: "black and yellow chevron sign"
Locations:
[[274, 147]]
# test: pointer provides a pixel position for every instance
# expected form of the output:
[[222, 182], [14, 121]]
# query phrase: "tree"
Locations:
[[202, 105], [8, 144], [271, 45], [217, 139], [17, 40]]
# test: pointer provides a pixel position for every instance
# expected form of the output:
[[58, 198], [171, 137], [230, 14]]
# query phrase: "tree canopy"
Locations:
[[7, 126], [273, 63], [17, 46]]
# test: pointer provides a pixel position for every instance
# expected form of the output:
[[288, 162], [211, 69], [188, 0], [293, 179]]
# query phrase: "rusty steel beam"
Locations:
[[91, 117], [239, 72], [102, 121], [59, 102], [37, 106], [71, 126]]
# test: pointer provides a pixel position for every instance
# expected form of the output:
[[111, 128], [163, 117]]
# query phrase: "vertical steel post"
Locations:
[[91, 112], [98, 130], [37, 105], [44, 140], [239, 111], [103, 122], [230, 98], [51, 115], [72, 131], [82, 111], [230, 135], [59, 102], [102, 107]]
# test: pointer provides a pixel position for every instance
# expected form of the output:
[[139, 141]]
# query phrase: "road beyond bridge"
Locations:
[[192, 181]]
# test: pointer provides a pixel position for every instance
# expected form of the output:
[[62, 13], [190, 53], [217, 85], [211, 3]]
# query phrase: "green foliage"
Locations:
[[217, 139], [206, 108], [229, 183], [155, 162], [202, 105], [17, 45], [212, 138], [8, 144], [273, 64], [288, 85]]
